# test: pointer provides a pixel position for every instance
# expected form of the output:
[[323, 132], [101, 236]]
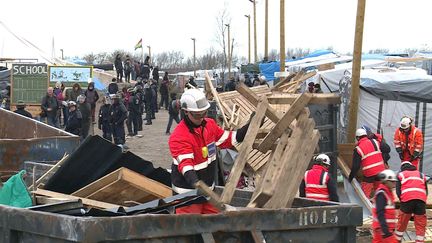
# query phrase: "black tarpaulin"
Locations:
[[95, 158]]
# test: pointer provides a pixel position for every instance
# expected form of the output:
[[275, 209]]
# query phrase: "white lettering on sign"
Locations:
[[315, 217], [29, 69]]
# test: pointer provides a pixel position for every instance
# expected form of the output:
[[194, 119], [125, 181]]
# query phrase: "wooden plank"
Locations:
[[258, 236], [124, 185], [214, 198], [261, 196], [356, 185], [86, 201], [208, 237], [253, 98], [245, 149], [216, 97], [49, 173], [320, 99], [284, 81], [284, 122]]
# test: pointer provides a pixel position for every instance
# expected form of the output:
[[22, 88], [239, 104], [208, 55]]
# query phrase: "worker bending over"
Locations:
[[317, 183]]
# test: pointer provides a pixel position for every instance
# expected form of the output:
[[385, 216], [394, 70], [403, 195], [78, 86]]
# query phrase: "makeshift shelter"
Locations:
[[386, 95]]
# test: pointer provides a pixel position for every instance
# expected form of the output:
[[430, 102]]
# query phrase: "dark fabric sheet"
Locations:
[[95, 158]]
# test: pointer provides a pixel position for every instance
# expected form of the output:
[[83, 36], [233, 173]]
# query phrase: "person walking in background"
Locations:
[[104, 119], [85, 110], [118, 115], [72, 94], [113, 87], [173, 111], [140, 96], [411, 188], [92, 97], [137, 68], [317, 183], [164, 89], [58, 92], [154, 87], [74, 122], [50, 107], [408, 141], [146, 69], [383, 210], [128, 66], [134, 111], [148, 101], [21, 109], [119, 67], [155, 74]]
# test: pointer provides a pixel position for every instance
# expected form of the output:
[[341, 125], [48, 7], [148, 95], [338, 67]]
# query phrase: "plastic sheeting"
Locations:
[[268, 69]]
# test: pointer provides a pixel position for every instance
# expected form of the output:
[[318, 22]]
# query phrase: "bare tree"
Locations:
[[90, 58], [222, 19], [273, 55]]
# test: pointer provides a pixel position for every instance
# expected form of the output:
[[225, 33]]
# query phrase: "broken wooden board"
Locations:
[[214, 199], [284, 81], [245, 149], [346, 152], [265, 187], [320, 99], [124, 185], [45, 177], [356, 185], [85, 201], [284, 123]]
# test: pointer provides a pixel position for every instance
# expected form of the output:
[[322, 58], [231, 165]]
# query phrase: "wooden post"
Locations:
[[255, 32], [266, 31], [249, 39], [229, 51], [356, 68], [282, 35]]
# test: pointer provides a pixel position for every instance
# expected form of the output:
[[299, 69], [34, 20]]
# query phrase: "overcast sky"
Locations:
[[84, 26]]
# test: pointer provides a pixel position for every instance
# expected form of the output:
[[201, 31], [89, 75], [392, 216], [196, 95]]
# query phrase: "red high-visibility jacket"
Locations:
[[409, 144], [390, 211], [316, 181], [372, 161], [196, 152], [413, 185]]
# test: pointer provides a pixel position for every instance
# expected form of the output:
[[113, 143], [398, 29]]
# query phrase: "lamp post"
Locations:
[[149, 49], [249, 42], [255, 33], [229, 51], [194, 58], [62, 54]]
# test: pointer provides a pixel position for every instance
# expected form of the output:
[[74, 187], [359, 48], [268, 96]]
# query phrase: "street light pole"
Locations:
[[229, 52], [62, 54], [149, 49], [266, 31], [194, 58], [249, 41], [282, 35], [255, 33]]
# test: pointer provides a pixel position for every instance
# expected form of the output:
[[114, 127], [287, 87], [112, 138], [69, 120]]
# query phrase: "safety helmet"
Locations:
[[194, 100], [81, 99], [406, 163], [405, 122], [361, 132], [367, 129], [323, 159], [71, 103], [387, 175]]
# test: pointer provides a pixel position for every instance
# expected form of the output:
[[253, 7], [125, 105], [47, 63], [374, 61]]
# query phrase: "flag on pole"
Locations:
[[139, 44]]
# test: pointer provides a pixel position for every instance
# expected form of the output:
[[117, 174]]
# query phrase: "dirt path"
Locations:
[[153, 146]]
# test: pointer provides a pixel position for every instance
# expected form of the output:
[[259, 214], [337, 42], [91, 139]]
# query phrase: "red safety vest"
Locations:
[[412, 185], [372, 161], [390, 211], [316, 181]]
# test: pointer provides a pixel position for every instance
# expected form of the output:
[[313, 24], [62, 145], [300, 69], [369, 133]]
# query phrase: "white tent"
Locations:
[[386, 95]]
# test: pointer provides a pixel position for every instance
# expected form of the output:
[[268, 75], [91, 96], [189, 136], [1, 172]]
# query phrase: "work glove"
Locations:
[[401, 156], [415, 156], [241, 133], [399, 150]]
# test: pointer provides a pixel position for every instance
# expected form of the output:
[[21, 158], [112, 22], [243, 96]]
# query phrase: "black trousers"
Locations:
[[416, 206], [119, 133]]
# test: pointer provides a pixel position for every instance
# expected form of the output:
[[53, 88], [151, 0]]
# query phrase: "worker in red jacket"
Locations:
[[383, 211], [411, 188], [367, 155], [384, 146], [193, 148], [408, 141], [317, 183]]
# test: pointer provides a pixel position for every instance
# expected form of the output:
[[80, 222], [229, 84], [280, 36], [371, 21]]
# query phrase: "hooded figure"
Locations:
[[72, 94], [85, 110], [91, 97]]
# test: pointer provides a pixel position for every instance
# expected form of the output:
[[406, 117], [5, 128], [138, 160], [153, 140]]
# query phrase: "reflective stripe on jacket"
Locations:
[[390, 211], [316, 181], [372, 162], [412, 185]]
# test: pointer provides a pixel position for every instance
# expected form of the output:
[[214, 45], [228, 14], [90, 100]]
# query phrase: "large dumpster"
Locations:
[[308, 221], [23, 139]]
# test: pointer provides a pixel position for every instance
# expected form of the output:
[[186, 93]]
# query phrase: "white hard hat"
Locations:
[[323, 158], [194, 100], [71, 103], [81, 98], [360, 132], [387, 175], [405, 123]]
